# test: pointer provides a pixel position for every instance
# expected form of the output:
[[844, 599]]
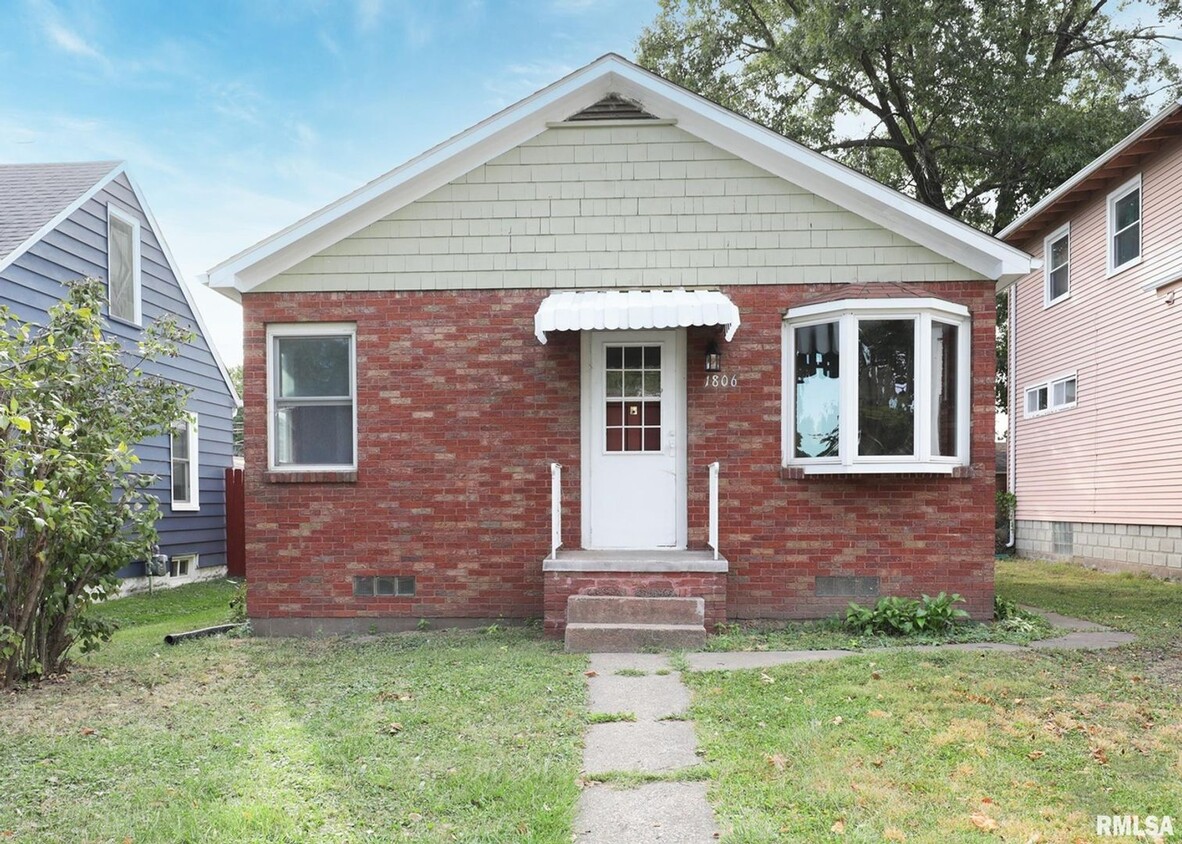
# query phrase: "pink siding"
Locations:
[[1117, 456]]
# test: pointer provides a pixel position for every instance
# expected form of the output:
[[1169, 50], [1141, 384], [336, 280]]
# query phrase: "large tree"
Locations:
[[74, 506], [974, 108]]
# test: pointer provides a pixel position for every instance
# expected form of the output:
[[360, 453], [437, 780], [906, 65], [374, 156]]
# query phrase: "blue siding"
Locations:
[[78, 248]]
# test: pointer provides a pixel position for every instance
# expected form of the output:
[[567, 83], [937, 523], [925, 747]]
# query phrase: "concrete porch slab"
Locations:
[[660, 560]]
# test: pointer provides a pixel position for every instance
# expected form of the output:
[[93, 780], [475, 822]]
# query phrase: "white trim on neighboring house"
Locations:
[[120, 215], [121, 169], [193, 502], [1120, 146], [180, 280], [1133, 184], [696, 115], [309, 329], [1064, 231], [63, 215]]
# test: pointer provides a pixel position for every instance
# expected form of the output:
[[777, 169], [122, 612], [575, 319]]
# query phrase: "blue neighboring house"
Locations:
[[60, 222]]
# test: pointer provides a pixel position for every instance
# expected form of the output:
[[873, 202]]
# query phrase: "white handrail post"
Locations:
[[555, 509], [713, 540]]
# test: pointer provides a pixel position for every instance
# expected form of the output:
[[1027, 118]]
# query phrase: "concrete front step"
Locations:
[[613, 609], [603, 637]]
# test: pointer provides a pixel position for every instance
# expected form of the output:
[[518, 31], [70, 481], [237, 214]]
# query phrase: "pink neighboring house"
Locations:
[[1096, 360]]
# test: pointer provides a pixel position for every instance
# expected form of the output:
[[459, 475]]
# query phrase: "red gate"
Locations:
[[235, 524]]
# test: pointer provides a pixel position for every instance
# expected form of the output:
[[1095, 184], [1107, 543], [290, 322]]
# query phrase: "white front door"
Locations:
[[634, 439]]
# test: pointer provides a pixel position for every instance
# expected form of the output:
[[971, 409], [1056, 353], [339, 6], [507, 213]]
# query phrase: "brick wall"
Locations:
[[461, 411]]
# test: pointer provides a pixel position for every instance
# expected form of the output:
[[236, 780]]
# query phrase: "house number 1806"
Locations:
[[721, 381]]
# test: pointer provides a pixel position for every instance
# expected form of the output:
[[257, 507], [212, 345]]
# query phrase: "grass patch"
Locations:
[[952, 746], [633, 779], [831, 634], [609, 717], [1140, 604], [631, 672], [420, 736]]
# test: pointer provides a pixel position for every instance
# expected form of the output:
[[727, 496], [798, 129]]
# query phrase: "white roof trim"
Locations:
[[628, 309], [612, 74], [180, 280], [7, 260], [1130, 139]]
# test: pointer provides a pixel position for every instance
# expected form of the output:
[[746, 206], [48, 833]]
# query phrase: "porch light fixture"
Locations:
[[713, 357]]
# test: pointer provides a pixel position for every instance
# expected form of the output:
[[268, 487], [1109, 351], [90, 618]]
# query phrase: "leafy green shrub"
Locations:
[[1004, 608], [238, 604], [898, 616]]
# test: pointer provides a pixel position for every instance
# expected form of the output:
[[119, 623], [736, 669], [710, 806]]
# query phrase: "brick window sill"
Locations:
[[330, 477]]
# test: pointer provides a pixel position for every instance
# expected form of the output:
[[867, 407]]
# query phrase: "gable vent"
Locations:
[[613, 107]]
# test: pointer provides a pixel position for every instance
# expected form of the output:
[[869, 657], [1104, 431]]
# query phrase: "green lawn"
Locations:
[[424, 736], [948, 746], [476, 736]]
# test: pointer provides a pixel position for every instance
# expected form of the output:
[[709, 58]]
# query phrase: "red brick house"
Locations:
[[616, 339]]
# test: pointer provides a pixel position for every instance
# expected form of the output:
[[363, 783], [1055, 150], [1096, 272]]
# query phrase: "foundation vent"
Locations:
[[846, 586]]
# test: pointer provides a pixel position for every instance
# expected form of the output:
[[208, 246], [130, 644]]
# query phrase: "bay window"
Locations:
[[876, 385], [312, 393]]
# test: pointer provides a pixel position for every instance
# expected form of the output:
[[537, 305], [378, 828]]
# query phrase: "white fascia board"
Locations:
[[863, 307], [59, 218], [416, 178], [180, 280], [825, 177], [1113, 151], [712, 123]]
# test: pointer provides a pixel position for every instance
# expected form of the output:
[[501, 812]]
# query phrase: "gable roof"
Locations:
[[606, 76], [1113, 165], [37, 198], [32, 196]]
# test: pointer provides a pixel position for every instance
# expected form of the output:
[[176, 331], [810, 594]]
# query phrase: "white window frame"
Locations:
[[1113, 198], [1058, 234], [309, 329], [1049, 385], [847, 312], [174, 561], [137, 317], [193, 502]]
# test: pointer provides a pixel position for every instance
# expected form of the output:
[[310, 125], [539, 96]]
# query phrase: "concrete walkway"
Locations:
[[660, 741]]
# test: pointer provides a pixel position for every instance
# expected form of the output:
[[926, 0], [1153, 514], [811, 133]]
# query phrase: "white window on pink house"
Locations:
[[1057, 265], [312, 396], [876, 386], [1124, 226], [1050, 396]]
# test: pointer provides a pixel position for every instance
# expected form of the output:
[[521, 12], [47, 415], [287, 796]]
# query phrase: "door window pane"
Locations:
[[632, 408], [886, 387], [817, 390]]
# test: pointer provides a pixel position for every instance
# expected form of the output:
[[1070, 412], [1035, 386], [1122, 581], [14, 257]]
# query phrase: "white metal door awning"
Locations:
[[621, 309]]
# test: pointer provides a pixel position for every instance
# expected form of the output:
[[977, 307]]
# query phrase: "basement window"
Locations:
[[384, 586], [876, 386], [182, 567]]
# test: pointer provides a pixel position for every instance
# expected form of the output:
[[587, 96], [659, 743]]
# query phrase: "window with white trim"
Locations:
[[1050, 396], [878, 385], [182, 567], [123, 266], [1124, 226], [183, 453], [312, 392], [1057, 265]]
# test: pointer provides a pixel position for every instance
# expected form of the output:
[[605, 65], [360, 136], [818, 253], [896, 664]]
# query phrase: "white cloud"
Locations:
[[71, 42]]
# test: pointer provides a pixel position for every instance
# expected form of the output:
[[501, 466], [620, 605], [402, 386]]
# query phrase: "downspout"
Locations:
[[1012, 446]]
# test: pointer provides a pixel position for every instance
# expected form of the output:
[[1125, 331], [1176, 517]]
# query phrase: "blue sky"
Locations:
[[239, 118]]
